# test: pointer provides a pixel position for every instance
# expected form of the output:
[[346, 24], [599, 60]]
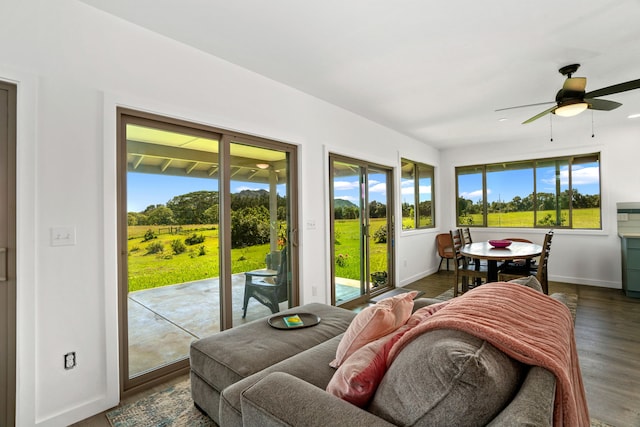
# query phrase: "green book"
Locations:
[[292, 321]]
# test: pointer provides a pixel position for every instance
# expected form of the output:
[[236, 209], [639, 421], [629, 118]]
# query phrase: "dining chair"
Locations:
[[265, 292], [445, 248], [464, 270], [467, 240], [540, 271], [513, 264]]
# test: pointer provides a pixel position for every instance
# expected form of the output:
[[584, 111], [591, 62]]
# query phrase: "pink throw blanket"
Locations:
[[526, 325]]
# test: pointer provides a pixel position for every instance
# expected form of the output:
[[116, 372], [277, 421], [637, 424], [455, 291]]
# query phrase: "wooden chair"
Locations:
[[518, 263], [466, 236], [467, 240], [540, 271], [463, 269], [269, 294], [445, 248]]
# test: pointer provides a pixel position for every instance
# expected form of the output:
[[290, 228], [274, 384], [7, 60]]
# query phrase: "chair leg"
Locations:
[[440, 265], [247, 295], [274, 306]]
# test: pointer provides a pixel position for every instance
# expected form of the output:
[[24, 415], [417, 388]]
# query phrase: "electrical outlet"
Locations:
[[70, 360]]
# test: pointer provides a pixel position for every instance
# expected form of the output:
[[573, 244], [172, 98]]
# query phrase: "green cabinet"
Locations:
[[631, 266]]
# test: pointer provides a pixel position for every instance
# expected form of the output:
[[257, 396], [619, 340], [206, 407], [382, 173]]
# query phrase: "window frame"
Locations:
[[417, 171], [568, 161]]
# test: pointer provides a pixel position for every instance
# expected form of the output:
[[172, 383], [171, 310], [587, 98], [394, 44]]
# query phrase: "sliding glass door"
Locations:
[[207, 238], [361, 230]]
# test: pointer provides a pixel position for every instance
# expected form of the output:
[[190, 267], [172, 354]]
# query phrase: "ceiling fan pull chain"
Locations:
[[593, 134], [551, 126]]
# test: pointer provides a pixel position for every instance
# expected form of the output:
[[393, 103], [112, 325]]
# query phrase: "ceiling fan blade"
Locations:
[[602, 104], [537, 116], [523, 106], [609, 90], [575, 84]]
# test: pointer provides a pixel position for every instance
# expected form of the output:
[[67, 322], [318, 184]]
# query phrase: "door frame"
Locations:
[[131, 386], [8, 254], [390, 218]]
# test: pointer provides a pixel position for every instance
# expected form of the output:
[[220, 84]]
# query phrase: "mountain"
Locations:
[[341, 203]]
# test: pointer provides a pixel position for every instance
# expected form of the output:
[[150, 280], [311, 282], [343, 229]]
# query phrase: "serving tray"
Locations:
[[308, 319]]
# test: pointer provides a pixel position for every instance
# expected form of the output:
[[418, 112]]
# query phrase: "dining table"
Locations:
[[485, 251]]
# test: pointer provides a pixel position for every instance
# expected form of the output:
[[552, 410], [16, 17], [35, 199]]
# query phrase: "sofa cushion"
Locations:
[[229, 356], [530, 282], [311, 366], [374, 322], [447, 377], [357, 379]]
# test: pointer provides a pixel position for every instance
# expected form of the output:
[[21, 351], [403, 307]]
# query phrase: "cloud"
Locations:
[[474, 195], [378, 188], [407, 187], [584, 176], [244, 187], [345, 185]]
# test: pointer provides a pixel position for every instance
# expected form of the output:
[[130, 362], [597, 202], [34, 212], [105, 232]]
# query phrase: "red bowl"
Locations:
[[499, 243]]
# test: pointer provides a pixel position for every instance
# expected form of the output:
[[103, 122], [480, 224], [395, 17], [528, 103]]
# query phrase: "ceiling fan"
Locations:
[[571, 100]]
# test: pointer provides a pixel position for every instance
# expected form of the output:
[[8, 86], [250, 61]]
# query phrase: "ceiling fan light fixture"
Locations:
[[572, 108], [262, 165]]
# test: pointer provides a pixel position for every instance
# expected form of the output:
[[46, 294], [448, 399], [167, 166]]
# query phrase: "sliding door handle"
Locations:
[[3, 264]]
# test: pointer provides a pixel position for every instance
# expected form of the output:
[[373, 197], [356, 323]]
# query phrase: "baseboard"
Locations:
[[584, 281]]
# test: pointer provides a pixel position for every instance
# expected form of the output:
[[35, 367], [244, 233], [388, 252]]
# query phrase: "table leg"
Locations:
[[492, 270]]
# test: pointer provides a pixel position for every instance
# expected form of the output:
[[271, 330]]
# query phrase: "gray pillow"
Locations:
[[530, 282], [447, 377]]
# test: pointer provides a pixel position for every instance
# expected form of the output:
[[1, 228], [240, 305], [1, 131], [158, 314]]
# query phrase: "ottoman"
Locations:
[[227, 357]]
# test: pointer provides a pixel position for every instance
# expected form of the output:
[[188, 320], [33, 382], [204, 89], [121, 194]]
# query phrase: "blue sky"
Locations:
[[520, 183], [347, 189]]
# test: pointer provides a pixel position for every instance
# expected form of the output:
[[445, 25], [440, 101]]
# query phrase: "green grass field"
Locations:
[[166, 268], [582, 218], [161, 269], [347, 248]]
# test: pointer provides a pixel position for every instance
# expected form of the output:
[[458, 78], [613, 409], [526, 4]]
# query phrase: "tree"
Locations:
[[249, 226], [190, 208], [377, 210], [212, 215], [160, 216]]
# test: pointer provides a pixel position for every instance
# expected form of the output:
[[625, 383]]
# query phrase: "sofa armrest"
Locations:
[[533, 404], [423, 302], [280, 399]]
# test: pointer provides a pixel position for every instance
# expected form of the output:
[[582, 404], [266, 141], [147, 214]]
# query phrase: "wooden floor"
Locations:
[[607, 333]]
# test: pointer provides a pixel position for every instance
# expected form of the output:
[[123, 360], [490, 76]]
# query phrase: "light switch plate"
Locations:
[[63, 236]]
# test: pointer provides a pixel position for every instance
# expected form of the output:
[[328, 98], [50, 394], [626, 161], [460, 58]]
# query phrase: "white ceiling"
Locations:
[[435, 71]]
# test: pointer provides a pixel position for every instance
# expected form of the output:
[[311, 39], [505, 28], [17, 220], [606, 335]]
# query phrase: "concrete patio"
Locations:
[[163, 321]]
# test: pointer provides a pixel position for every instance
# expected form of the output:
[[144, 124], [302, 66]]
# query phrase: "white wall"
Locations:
[[73, 66], [577, 256]]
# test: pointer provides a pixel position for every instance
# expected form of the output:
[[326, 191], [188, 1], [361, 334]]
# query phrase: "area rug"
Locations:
[[170, 407], [174, 407], [570, 299]]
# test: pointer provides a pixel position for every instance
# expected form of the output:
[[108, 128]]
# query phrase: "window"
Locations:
[[562, 192], [417, 190]]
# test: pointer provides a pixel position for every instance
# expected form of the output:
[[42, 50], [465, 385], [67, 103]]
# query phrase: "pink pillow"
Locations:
[[357, 379], [374, 322]]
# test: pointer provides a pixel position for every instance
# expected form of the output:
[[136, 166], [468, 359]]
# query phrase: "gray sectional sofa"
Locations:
[[255, 375]]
